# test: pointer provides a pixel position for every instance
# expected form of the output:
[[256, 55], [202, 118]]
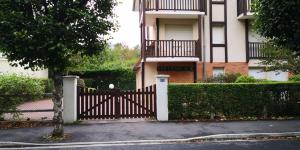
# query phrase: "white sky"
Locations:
[[129, 32]]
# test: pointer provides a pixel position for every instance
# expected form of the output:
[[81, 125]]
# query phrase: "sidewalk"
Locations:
[[149, 130]]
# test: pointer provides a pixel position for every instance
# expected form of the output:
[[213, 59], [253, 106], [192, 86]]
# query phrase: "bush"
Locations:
[[295, 78], [48, 85], [245, 79], [200, 101], [15, 90], [223, 78]]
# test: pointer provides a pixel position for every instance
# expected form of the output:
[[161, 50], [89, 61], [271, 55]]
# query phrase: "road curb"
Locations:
[[204, 138], [246, 135]]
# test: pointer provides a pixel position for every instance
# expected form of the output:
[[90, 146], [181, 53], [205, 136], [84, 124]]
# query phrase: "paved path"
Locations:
[[150, 130], [36, 105]]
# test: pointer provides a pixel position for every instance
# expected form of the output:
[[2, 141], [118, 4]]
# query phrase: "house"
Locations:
[[191, 40], [6, 68]]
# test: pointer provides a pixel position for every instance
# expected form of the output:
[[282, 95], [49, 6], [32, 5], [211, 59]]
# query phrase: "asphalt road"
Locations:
[[242, 145]]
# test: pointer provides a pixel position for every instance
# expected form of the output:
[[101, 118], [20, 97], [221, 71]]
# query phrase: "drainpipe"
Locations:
[[204, 50]]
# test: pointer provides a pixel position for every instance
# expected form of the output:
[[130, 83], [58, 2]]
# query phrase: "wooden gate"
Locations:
[[116, 104]]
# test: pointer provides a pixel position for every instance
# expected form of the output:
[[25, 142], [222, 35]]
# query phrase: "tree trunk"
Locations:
[[57, 107]]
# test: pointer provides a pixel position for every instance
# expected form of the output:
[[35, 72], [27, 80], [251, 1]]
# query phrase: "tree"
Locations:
[[279, 22], [280, 58], [47, 33], [118, 57]]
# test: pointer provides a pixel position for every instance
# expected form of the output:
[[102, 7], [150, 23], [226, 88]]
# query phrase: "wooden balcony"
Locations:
[[172, 48], [244, 9], [176, 5], [255, 50]]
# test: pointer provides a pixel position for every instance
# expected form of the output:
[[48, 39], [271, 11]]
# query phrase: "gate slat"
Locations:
[[131, 103], [99, 105], [134, 106], [112, 101], [107, 106], [139, 102], [90, 102], [127, 104], [147, 101], [151, 100], [86, 103], [102, 106], [95, 104], [143, 102], [122, 105]]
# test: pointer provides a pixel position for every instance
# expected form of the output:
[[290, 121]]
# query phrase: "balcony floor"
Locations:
[[249, 15], [175, 14], [172, 59]]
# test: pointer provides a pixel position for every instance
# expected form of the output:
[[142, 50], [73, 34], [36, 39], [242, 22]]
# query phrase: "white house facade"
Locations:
[[6, 68], [190, 40]]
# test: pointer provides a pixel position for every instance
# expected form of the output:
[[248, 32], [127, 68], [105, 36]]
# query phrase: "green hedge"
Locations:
[[123, 78], [200, 101], [295, 78], [15, 90]]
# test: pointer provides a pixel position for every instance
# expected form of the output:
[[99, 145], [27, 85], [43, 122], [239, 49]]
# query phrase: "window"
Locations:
[[218, 34], [179, 32], [218, 71]]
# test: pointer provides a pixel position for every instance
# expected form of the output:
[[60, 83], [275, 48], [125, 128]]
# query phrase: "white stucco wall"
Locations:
[[6, 68], [236, 34], [150, 73], [138, 79]]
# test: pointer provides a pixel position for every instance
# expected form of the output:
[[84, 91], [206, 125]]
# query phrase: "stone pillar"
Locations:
[[162, 82], [70, 98]]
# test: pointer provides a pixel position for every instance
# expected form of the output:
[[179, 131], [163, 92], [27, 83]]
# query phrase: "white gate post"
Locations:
[[70, 98], [162, 97]]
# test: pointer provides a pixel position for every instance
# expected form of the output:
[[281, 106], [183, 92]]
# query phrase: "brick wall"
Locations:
[[178, 76], [233, 67]]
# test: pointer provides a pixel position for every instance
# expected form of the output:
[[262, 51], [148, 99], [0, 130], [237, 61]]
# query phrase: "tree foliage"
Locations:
[[280, 58], [119, 57], [47, 33], [279, 21]]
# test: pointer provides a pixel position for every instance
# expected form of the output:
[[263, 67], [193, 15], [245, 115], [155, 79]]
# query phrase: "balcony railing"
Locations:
[[172, 48], [244, 6], [176, 5], [255, 50]]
